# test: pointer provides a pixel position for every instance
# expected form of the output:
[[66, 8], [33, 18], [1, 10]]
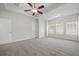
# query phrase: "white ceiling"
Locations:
[[64, 10], [51, 10], [20, 7]]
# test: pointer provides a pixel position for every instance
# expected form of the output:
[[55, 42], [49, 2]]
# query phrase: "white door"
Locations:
[[5, 31]]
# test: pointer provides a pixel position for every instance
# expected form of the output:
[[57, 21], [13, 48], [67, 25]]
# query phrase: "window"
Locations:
[[60, 28], [71, 28], [51, 29]]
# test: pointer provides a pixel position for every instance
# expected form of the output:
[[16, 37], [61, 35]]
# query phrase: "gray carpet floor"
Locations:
[[41, 47]]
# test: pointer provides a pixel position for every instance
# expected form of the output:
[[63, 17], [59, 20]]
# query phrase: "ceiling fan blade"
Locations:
[[33, 14], [42, 6], [27, 10], [40, 12], [30, 4]]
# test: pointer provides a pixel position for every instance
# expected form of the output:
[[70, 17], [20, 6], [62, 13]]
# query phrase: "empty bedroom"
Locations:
[[39, 29]]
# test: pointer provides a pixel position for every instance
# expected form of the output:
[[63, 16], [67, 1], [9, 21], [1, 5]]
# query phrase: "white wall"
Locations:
[[5, 31], [22, 25], [78, 26]]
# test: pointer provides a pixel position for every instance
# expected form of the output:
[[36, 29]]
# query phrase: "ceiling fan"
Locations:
[[35, 9]]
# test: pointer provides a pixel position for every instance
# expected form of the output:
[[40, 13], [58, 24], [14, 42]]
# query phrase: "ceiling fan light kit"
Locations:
[[34, 10]]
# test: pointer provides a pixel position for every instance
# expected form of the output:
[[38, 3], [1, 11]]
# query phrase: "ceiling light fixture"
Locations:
[[34, 10]]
